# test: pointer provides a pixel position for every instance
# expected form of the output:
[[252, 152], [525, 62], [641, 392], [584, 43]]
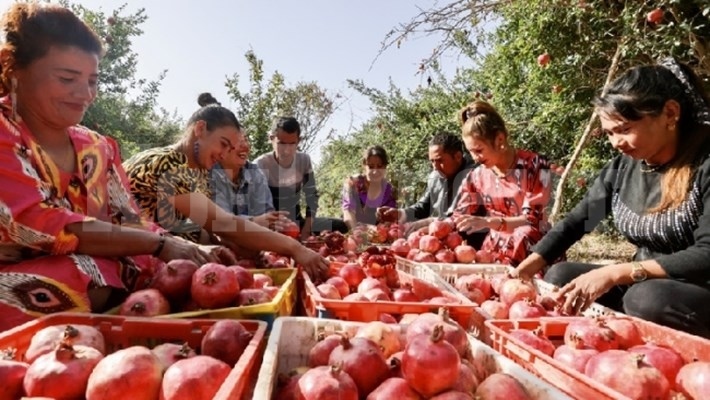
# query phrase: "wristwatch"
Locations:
[[638, 273]]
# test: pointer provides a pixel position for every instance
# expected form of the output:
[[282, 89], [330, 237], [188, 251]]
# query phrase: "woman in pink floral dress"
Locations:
[[511, 185]]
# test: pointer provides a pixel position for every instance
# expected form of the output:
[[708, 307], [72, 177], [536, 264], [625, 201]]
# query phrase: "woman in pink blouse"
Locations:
[[511, 185], [364, 193]]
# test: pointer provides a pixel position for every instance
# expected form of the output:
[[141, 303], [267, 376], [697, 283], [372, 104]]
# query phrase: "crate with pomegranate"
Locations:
[[72, 355], [215, 291], [612, 357], [385, 287], [387, 361]]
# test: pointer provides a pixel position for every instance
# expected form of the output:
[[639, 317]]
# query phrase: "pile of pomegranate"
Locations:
[[375, 277], [611, 351], [265, 260], [180, 285], [71, 362], [431, 359], [503, 297], [439, 243]]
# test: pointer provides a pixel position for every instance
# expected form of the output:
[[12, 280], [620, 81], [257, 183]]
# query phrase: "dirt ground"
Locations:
[[601, 249]]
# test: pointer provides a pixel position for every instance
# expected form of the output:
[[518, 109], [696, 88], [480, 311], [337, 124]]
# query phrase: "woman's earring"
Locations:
[[13, 99], [196, 152], [502, 147]]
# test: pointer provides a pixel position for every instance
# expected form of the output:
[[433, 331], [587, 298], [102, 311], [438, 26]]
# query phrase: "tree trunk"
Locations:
[[559, 192]]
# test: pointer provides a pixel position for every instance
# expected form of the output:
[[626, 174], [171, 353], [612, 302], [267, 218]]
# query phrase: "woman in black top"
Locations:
[[658, 191]]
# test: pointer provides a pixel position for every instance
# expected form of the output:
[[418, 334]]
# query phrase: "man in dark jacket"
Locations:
[[450, 167]]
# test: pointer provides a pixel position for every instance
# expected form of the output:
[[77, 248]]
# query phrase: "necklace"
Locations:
[[649, 168]]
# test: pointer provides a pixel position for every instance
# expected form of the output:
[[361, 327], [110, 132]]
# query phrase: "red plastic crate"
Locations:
[[465, 314], [572, 382], [121, 332]]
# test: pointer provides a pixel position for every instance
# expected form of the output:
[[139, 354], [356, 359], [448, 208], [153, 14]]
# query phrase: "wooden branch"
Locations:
[[559, 193]]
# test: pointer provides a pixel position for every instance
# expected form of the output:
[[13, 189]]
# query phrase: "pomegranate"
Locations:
[[655, 16], [371, 283], [328, 291], [394, 388], [400, 247], [440, 229], [453, 240], [425, 290], [574, 355], [465, 254], [173, 279], [271, 291], [249, 297], [353, 274], [327, 382], [287, 386], [592, 332], [62, 373], [376, 294], [424, 257], [170, 353], [543, 59], [145, 303], [627, 334], [497, 282], [535, 339], [495, 308], [132, 373], [47, 339], [467, 381], [513, 290], [405, 294], [387, 318], [340, 284], [226, 340], [430, 364], [245, 263], [199, 377], [381, 334], [363, 360], [666, 360], [355, 297], [693, 380], [214, 286], [474, 281], [548, 303], [261, 280], [429, 244], [526, 309], [501, 386], [452, 395], [628, 374], [413, 254], [395, 363], [320, 353], [445, 256], [484, 257], [244, 277], [350, 244], [12, 374], [452, 332]]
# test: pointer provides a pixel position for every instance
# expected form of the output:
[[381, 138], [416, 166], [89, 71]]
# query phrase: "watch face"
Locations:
[[638, 275]]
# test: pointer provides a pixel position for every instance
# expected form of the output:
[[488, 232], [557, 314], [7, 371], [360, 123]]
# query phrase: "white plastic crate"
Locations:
[[293, 337], [450, 272]]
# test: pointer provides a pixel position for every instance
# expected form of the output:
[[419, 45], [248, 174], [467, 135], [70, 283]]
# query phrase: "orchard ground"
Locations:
[[601, 249]]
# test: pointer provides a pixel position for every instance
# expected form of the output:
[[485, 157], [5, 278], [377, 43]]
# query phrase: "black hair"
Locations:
[[449, 142], [376, 151], [214, 115], [288, 125], [31, 29]]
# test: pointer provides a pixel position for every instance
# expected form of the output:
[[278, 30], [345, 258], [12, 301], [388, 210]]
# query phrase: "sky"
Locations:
[[200, 43]]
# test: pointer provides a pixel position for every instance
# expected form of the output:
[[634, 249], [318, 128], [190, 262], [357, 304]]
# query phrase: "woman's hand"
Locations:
[[530, 266], [584, 290], [178, 248], [312, 262], [271, 219], [470, 223]]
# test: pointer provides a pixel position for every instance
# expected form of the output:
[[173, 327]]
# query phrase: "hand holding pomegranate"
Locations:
[[220, 254], [584, 290], [530, 266], [417, 226], [272, 220], [388, 214]]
